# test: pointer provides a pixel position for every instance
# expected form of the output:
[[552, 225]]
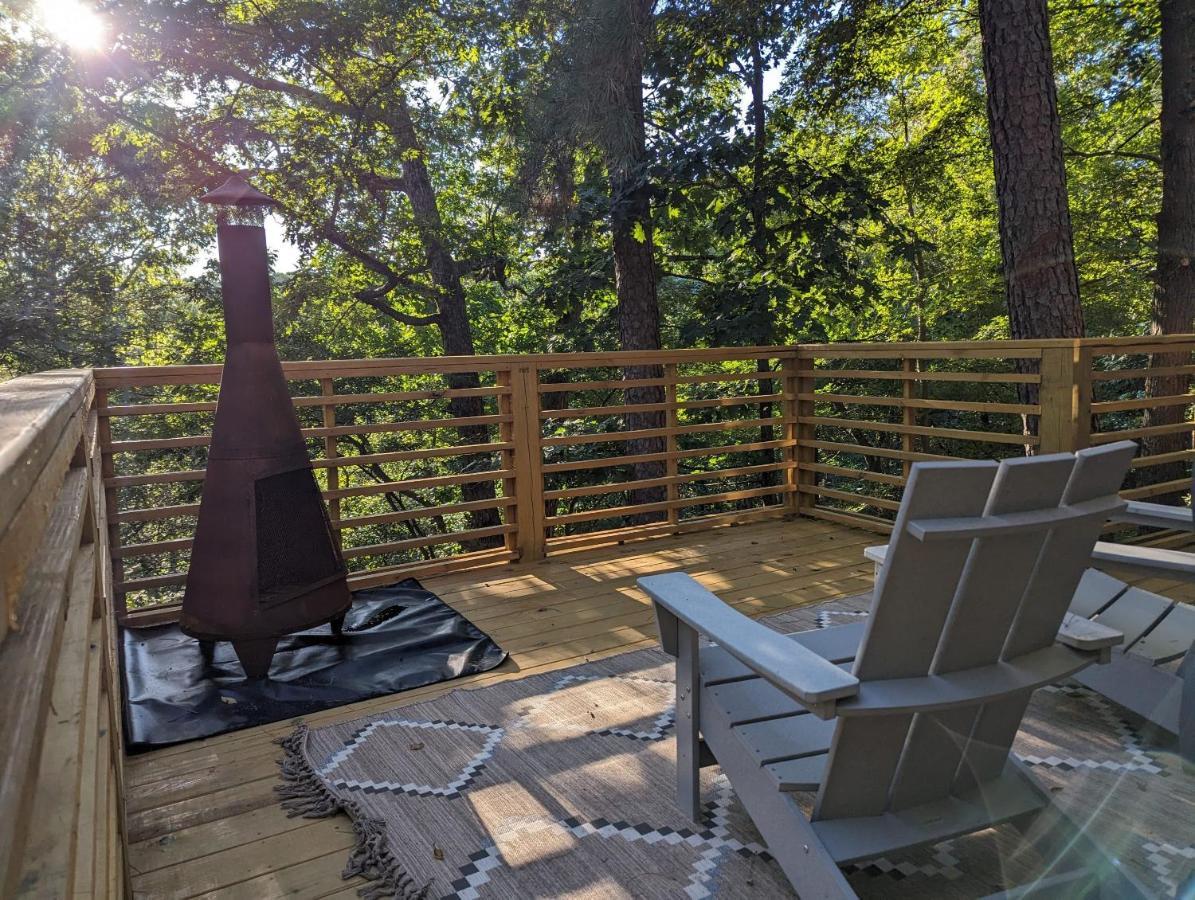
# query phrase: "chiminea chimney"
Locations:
[[263, 562]]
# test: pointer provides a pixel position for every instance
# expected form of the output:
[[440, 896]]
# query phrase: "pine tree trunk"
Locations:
[[759, 244], [453, 322], [1174, 296], [634, 254], [1040, 280]]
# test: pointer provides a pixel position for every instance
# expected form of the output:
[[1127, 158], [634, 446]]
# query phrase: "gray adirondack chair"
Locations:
[[1158, 631], [909, 744]]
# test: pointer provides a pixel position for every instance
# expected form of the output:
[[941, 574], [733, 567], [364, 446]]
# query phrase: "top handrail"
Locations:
[[209, 373]]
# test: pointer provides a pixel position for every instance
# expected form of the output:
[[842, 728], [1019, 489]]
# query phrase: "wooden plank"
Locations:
[[848, 497], [90, 754], [331, 452], [529, 465], [672, 404], [671, 480], [1182, 485], [614, 512], [591, 539], [423, 512], [1132, 434], [671, 464], [955, 434], [20, 542], [158, 409], [853, 519], [922, 375], [115, 378], [203, 440], [1138, 374], [419, 484], [864, 474], [1111, 406], [452, 537], [915, 403], [52, 824], [27, 658], [882, 452], [41, 419], [612, 461], [618, 437], [1059, 425]]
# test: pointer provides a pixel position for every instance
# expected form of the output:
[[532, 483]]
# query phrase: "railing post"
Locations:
[[111, 502], [801, 453], [332, 452], [1064, 397], [671, 464], [526, 459], [908, 414]]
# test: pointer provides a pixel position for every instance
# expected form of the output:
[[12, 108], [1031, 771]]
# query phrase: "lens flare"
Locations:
[[72, 23]]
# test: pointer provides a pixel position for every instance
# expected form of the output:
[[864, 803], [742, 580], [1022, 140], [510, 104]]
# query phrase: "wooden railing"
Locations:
[[61, 757], [548, 455]]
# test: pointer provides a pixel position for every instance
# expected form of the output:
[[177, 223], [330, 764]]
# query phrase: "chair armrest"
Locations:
[[1152, 560], [799, 672], [1079, 633], [1156, 515], [876, 554]]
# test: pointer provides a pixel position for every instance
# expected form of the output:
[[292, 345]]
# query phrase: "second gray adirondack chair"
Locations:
[[910, 745]]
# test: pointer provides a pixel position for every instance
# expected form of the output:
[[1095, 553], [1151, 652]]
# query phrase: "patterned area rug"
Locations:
[[561, 785]]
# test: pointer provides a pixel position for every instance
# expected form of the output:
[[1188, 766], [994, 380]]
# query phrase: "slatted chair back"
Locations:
[[984, 559]]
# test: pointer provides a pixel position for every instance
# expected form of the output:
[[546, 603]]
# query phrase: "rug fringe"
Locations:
[[303, 793]]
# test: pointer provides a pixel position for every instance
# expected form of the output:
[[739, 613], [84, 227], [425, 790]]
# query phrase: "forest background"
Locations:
[[458, 177]]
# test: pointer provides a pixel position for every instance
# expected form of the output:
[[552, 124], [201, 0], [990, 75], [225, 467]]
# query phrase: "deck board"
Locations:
[[203, 819]]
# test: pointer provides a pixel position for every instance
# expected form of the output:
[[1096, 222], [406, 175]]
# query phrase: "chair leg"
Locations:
[[688, 725], [1186, 707]]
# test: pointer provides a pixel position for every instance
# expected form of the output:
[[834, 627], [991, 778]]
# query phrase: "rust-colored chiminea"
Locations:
[[263, 562]]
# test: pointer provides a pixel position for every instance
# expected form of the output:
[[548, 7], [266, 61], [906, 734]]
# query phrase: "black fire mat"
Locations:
[[395, 638]]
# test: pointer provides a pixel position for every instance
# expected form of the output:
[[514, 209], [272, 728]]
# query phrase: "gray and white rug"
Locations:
[[561, 785]]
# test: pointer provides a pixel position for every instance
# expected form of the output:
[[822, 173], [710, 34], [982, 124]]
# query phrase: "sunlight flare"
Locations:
[[74, 24]]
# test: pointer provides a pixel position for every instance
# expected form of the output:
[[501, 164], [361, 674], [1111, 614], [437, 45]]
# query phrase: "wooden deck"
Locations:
[[202, 818]]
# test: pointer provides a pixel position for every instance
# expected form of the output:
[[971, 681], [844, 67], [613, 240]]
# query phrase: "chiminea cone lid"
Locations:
[[236, 191]]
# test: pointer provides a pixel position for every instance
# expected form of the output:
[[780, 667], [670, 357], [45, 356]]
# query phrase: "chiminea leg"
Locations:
[[338, 626], [255, 656], [208, 650]]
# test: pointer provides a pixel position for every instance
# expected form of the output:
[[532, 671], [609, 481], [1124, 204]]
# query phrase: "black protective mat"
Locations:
[[396, 638]]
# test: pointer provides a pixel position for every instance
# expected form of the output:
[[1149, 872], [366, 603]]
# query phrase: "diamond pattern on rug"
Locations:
[[432, 759]]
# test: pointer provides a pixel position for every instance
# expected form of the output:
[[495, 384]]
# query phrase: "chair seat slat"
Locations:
[[1134, 613], [1171, 639]]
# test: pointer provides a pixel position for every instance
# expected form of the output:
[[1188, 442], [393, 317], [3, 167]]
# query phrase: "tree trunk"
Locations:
[[759, 244], [1041, 283], [634, 253], [452, 321], [1174, 295]]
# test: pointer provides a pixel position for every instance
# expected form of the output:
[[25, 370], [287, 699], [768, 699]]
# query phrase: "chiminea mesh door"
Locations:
[[295, 550]]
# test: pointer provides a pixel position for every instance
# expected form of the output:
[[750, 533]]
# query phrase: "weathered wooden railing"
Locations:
[[61, 800], [542, 462]]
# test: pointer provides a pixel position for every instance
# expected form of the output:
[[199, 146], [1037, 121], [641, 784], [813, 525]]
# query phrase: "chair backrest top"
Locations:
[[982, 564]]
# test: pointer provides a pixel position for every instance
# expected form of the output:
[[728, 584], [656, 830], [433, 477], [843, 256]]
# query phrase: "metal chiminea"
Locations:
[[263, 562]]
